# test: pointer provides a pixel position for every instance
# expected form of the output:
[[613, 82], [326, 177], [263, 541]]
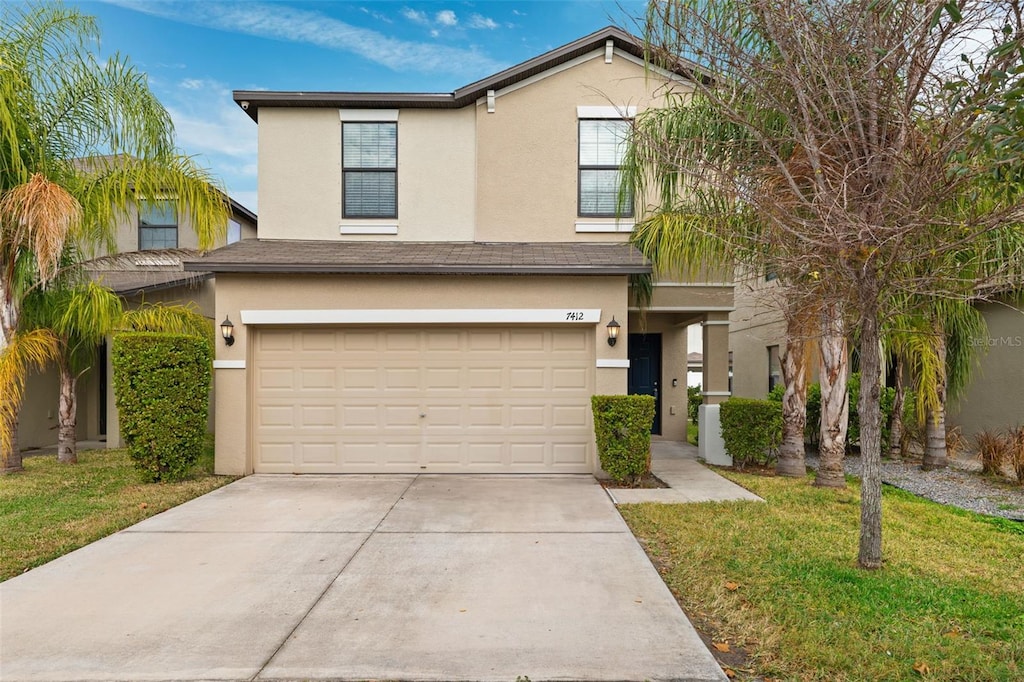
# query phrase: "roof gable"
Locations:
[[252, 100]]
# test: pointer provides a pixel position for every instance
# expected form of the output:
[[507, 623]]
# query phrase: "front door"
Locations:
[[645, 371]]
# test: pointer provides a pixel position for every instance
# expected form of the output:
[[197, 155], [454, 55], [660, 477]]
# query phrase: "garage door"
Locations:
[[421, 400]]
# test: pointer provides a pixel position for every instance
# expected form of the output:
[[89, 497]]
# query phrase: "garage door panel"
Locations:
[[365, 400]]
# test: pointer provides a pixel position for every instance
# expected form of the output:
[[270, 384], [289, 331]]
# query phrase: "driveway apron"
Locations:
[[358, 577]]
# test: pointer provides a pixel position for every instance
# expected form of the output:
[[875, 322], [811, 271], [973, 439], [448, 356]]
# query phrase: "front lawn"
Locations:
[[780, 580], [51, 509]]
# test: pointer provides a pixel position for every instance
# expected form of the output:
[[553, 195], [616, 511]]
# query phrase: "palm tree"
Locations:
[[80, 315], [59, 104]]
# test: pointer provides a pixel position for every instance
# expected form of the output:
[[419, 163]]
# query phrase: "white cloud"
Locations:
[[478, 21], [446, 17], [518, 13], [414, 15], [377, 15], [268, 20]]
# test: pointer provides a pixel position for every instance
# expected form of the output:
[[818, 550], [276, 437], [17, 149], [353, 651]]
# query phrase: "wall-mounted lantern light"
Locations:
[[227, 330], [613, 331]]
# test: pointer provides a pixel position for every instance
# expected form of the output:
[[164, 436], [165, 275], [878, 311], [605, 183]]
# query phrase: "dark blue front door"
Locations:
[[645, 371]]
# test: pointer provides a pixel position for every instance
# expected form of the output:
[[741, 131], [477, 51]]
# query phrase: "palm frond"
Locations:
[[38, 214], [24, 352], [171, 319]]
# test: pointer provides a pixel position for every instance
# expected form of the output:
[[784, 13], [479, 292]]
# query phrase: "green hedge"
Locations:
[[752, 430], [694, 399], [162, 389], [622, 426]]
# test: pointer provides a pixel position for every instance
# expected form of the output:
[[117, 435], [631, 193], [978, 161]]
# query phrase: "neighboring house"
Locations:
[[436, 275], [139, 277], [994, 398]]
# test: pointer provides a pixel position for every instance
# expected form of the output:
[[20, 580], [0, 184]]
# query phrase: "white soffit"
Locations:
[[369, 115], [464, 316]]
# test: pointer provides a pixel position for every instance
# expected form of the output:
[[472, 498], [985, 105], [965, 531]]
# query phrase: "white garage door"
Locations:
[[421, 400]]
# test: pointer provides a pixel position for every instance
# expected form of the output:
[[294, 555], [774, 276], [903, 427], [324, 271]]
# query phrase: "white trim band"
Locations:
[[625, 111], [617, 226], [229, 364], [426, 316], [715, 323], [369, 228], [716, 394], [612, 362], [368, 115], [687, 309]]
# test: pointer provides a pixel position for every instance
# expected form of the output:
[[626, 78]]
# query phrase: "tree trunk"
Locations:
[[870, 554], [67, 419], [835, 413], [935, 426], [10, 458], [896, 428], [794, 406]]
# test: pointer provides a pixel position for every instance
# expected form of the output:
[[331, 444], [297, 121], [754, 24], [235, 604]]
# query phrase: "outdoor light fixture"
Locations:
[[227, 330], [613, 331]]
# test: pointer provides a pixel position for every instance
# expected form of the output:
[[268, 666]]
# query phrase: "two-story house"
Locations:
[[146, 272], [442, 281]]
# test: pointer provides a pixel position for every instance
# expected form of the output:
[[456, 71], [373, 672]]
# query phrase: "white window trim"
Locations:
[[369, 228], [610, 112], [607, 226], [506, 316], [368, 115]]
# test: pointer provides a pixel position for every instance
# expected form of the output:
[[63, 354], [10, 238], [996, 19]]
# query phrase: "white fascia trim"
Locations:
[[610, 362], [618, 226], [715, 323], [693, 284], [369, 228], [369, 115], [687, 309], [610, 112], [466, 316], [229, 364], [716, 393], [654, 69]]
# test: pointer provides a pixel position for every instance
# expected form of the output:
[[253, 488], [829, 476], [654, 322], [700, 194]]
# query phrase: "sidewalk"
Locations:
[[676, 464]]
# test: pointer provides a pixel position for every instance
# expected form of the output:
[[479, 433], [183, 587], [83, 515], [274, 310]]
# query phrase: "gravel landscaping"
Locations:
[[960, 485]]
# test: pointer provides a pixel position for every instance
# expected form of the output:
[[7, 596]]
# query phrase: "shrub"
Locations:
[[1015, 441], [752, 430], [622, 426], [694, 399], [993, 450], [162, 388]]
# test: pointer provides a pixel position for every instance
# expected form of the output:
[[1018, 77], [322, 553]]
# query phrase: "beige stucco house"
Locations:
[[436, 277], [141, 276], [993, 400]]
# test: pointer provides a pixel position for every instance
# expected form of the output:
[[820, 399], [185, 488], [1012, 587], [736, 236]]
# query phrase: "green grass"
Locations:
[[51, 509], [950, 596], [691, 433]]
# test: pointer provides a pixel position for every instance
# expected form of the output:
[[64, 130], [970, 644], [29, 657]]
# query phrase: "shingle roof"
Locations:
[[252, 100], [136, 272], [298, 256]]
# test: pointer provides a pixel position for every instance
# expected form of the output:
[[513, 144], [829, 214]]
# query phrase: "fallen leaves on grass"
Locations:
[[721, 646]]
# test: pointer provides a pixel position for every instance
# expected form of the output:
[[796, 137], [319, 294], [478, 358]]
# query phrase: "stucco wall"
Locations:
[[754, 325], [236, 293], [527, 160], [994, 400]]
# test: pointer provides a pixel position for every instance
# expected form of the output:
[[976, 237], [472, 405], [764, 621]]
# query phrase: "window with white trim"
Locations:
[[369, 168], [158, 225], [602, 146]]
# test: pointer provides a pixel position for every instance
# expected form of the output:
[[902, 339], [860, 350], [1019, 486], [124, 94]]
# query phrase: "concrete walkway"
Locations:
[[688, 480], [355, 578]]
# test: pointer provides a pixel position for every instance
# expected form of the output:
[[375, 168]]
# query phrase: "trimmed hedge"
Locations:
[[752, 430], [162, 389], [622, 426]]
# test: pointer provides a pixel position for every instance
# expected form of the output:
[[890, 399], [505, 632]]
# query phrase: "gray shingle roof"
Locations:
[[537, 258]]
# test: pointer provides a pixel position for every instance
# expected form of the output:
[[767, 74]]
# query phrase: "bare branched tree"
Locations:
[[867, 150]]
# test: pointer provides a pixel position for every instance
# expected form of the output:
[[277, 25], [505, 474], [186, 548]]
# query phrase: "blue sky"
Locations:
[[196, 52]]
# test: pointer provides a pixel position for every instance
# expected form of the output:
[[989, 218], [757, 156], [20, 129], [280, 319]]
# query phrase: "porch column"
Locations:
[[715, 330]]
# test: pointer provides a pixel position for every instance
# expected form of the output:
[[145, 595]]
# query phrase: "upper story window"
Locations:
[[369, 168], [158, 225], [602, 147], [234, 231]]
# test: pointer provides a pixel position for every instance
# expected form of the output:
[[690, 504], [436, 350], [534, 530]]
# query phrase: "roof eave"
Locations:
[[337, 269]]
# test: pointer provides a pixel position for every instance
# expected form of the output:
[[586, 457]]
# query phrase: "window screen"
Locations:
[[602, 146], [370, 170]]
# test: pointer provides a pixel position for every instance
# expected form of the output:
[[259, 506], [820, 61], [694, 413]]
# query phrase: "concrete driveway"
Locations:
[[358, 577]]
